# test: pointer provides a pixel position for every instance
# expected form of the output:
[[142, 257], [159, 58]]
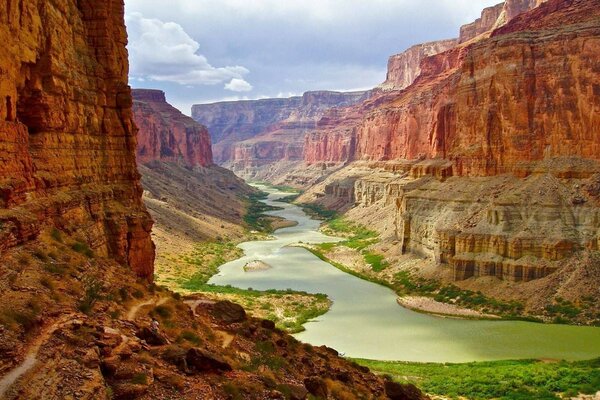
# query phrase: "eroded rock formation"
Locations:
[[405, 67], [165, 134], [253, 137], [484, 155], [67, 137]]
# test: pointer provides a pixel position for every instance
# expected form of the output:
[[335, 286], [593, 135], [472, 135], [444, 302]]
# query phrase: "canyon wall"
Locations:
[[67, 137], [165, 134], [405, 67], [488, 160], [496, 105], [251, 136], [524, 95]]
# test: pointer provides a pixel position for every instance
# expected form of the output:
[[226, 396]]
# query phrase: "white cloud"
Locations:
[[164, 52], [238, 85]]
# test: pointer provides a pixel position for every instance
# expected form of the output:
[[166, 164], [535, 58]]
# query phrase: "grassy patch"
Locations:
[[83, 248], [526, 379], [318, 212], [255, 217], [377, 261]]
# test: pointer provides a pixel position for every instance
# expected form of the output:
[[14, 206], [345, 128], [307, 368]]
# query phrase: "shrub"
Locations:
[[163, 311], [56, 235], [92, 288], [140, 379], [190, 336], [82, 248]]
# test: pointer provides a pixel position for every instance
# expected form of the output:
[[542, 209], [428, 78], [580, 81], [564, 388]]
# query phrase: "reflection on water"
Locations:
[[365, 320]]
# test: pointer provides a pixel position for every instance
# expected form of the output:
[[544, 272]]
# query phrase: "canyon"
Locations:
[[264, 139], [77, 259], [479, 155]]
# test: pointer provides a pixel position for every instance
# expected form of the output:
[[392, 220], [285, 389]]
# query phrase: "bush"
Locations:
[[56, 235], [92, 288], [140, 379], [190, 336], [82, 248], [163, 311]]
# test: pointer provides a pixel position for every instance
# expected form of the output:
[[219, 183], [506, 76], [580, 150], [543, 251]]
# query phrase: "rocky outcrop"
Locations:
[[67, 137], [488, 20], [250, 136], [165, 134], [405, 67]]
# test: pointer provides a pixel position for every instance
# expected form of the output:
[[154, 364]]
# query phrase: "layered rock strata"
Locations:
[[165, 134], [405, 67], [251, 136], [67, 137], [489, 148]]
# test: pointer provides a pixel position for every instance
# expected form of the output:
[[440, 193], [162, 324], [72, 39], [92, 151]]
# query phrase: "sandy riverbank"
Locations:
[[431, 306]]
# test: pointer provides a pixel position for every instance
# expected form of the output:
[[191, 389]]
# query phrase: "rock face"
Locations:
[[484, 155], [493, 106], [405, 67], [250, 136], [488, 20], [67, 137], [165, 134]]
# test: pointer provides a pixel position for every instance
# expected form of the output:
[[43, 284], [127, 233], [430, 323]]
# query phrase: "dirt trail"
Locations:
[[132, 313], [31, 357]]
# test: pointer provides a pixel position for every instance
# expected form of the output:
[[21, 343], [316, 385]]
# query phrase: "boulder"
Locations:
[[151, 337], [316, 386], [396, 391], [200, 360], [228, 312]]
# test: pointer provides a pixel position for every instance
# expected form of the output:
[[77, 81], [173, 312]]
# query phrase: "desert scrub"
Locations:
[[92, 293], [509, 380]]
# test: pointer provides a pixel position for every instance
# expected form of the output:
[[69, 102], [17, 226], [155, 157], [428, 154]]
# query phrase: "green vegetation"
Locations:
[[83, 248], [93, 288], [509, 380], [255, 216], [295, 307], [357, 237], [289, 199], [377, 261], [318, 212], [281, 188], [140, 379], [207, 257]]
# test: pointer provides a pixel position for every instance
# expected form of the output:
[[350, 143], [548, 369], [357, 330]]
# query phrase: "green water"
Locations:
[[366, 322]]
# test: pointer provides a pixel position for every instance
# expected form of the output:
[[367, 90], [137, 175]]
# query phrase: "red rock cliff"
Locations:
[[165, 134], [260, 131], [67, 137], [527, 93], [405, 67]]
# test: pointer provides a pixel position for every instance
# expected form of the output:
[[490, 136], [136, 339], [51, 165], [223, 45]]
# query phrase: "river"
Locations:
[[366, 322]]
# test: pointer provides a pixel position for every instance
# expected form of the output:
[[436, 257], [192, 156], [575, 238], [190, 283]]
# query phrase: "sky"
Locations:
[[203, 51]]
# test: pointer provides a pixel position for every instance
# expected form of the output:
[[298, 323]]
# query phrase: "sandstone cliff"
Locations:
[[405, 67], [165, 134], [488, 153], [190, 199], [252, 137], [66, 132]]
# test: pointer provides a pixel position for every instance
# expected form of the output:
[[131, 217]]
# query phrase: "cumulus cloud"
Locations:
[[238, 85], [164, 52]]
